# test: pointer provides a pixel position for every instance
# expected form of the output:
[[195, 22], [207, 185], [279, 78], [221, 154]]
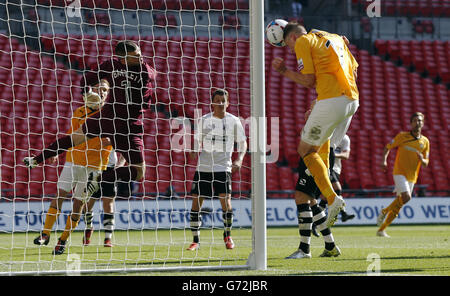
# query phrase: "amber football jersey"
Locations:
[[407, 162], [327, 57], [91, 153]]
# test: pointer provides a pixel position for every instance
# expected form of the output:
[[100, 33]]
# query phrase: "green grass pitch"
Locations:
[[411, 250]]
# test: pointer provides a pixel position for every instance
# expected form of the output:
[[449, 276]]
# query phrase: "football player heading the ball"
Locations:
[[326, 63]]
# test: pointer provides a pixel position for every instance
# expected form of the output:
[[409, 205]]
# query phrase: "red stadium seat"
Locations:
[[172, 4], [389, 94], [201, 4], [436, 7], [390, 7]]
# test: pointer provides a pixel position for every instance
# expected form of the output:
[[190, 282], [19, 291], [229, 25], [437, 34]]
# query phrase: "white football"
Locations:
[[274, 32]]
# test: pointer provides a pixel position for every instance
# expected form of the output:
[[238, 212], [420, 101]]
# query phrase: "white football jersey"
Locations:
[[215, 138], [344, 145], [112, 160]]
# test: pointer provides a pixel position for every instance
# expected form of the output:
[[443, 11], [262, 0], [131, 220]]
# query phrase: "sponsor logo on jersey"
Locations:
[[300, 65]]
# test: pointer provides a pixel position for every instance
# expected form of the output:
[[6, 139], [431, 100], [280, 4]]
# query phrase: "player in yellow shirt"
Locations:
[[324, 62], [413, 150], [91, 156]]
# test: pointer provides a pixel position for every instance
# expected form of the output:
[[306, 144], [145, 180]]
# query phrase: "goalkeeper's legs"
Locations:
[[52, 215], [71, 223], [54, 211]]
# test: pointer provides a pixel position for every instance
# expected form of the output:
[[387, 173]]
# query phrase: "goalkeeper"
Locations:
[[81, 160], [215, 136], [131, 81]]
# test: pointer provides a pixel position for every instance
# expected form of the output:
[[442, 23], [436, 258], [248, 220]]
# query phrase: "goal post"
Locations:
[[258, 259], [196, 46]]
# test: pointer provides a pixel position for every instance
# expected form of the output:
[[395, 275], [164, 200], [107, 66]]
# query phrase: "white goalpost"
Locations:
[[195, 46]]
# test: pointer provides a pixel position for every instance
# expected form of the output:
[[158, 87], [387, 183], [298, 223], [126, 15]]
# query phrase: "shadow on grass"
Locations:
[[180, 262], [382, 271], [398, 258]]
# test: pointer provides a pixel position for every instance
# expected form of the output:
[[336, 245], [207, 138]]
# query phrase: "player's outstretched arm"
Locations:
[[59, 146]]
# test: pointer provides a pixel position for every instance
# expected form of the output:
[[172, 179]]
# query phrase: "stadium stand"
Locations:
[[411, 53], [395, 81], [156, 4], [426, 8], [389, 94]]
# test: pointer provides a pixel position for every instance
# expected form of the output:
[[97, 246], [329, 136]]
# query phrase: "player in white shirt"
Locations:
[[215, 136]]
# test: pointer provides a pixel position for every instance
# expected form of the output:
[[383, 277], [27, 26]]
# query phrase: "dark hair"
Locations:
[[416, 114], [219, 92], [293, 27], [90, 78], [125, 47]]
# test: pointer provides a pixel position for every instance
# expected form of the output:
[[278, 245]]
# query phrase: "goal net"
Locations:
[[195, 46]]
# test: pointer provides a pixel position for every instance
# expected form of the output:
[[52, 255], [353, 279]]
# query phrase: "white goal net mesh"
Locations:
[[45, 46]]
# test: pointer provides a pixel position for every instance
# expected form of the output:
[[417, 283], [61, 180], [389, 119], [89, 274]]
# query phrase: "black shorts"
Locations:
[[126, 139], [334, 177], [305, 182], [211, 184], [107, 189]]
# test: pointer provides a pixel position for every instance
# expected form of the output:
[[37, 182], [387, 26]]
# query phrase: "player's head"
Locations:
[[129, 53], [102, 89], [219, 100], [291, 32], [97, 91], [417, 120]]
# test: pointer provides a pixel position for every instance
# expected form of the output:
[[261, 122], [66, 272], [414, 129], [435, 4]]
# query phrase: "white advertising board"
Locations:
[[150, 214]]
